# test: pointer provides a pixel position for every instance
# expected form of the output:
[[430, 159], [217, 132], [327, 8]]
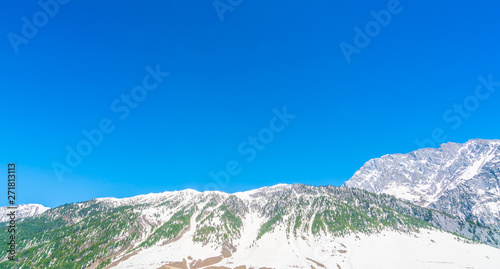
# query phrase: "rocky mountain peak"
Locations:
[[461, 179]]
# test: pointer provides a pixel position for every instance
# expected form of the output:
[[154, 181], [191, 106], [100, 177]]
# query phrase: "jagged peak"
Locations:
[[438, 177]]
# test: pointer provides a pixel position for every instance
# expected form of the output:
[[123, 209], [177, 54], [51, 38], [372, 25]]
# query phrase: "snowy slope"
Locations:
[[461, 179], [23, 211], [390, 249]]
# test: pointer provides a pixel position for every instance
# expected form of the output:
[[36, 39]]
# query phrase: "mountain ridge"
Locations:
[[234, 229]]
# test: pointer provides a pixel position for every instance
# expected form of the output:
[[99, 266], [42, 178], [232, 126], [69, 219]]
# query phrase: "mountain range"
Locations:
[[432, 208]]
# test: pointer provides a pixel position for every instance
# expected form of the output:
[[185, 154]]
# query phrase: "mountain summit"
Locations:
[[460, 179], [23, 211]]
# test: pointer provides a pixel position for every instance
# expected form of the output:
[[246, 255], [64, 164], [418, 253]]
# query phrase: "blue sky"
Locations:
[[418, 75]]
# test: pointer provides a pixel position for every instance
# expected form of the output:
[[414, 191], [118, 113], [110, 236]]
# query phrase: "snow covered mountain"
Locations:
[[461, 179], [23, 211], [284, 226]]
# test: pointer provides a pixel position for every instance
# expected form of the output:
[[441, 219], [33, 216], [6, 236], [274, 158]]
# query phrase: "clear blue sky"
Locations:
[[225, 78]]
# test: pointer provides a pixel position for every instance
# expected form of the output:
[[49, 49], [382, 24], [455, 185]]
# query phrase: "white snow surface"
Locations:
[[389, 249]]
